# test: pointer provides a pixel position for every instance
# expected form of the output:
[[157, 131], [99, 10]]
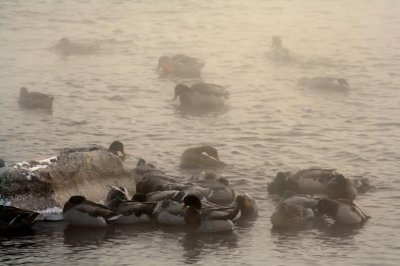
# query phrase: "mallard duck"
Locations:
[[306, 201], [312, 181], [180, 65], [290, 215], [133, 212], [67, 47], [78, 211], [200, 157], [343, 211], [278, 52], [201, 95], [12, 218], [341, 188], [247, 206], [220, 192], [205, 221], [116, 148], [330, 83], [35, 99]]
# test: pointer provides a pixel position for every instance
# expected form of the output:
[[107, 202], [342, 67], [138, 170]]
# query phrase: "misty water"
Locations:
[[270, 124]]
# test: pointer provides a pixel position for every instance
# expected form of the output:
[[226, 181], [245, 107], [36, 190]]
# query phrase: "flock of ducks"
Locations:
[[203, 96], [208, 204]]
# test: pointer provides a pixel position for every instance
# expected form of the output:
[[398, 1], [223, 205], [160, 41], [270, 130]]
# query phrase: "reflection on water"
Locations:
[[82, 236]]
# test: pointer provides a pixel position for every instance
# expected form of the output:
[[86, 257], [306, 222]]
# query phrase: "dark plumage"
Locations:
[[201, 95], [200, 157], [12, 218], [35, 99]]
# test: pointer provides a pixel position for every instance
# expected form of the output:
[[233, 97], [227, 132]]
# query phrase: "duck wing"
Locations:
[[130, 207], [12, 217], [95, 210]]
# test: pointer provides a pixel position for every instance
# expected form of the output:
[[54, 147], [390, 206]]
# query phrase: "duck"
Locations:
[[66, 47], [204, 221], [13, 218], [116, 148], [304, 200], [327, 83], [220, 192], [180, 65], [313, 181], [78, 211], [201, 95], [247, 206], [132, 212], [278, 52], [2, 163], [35, 99], [341, 188], [342, 211], [200, 157], [290, 215]]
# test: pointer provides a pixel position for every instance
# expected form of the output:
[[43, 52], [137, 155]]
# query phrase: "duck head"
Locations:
[[278, 185], [180, 89], [210, 151], [327, 206], [343, 82], [73, 201], [247, 205], [116, 147], [192, 216], [192, 200], [163, 61], [23, 92], [276, 42], [117, 194], [139, 197]]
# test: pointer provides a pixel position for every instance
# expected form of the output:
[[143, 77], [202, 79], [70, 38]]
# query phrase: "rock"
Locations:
[[45, 184]]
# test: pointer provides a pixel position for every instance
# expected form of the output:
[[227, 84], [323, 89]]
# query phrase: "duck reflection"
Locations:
[[82, 236], [195, 245]]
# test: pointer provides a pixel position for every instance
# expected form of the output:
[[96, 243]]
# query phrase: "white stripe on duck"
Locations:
[[343, 211]]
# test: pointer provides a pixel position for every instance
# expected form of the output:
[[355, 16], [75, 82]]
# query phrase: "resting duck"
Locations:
[[180, 65], [300, 199], [313, 181], [278, 52], [247, 206], [290, 215], [201, 95], [220, 192], [78, 211], [200, 157], [12, 218], [35, 99], [338, 84], [116, 148], [205, 221], [343, 211], [66, 47]]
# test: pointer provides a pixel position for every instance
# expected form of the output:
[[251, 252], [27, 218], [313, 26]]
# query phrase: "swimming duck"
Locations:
[[330, 83], [12, 218], [200, 157], [67, 47], [116, 148], [35, 99], [312, 181], [79, 211], [278, 52], [343, 211], [290, 215], [180, 65], [204, 221], [201, 95]]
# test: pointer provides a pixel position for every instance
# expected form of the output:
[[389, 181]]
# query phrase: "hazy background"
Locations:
[[270, 124]]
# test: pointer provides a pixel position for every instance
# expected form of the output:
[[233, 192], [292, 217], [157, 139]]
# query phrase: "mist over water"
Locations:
[[270, 124]]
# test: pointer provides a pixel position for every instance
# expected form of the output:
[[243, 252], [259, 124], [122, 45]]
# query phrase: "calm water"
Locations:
[[270, 124]]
